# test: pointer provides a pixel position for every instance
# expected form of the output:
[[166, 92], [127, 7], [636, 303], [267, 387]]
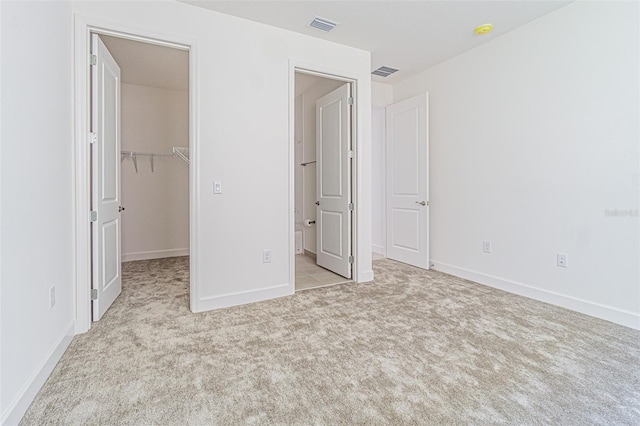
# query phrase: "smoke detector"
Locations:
[[323, 24], [384, 71]]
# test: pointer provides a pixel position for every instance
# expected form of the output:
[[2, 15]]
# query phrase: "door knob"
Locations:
[[317, 203], [422, 203], [120, 208]]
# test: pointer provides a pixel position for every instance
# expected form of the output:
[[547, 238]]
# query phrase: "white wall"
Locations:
[[155, 222], [298, 159], [533, 138], [242, 77], [36, 197], [321, 87], [381, 94], [378, 180]]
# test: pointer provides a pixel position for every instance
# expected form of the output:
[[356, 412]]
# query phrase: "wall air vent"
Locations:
[[323, 24], [384, 71]]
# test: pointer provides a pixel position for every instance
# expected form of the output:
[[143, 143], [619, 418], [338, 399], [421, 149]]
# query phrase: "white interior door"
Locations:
[[408, 181], [105, 186], [333, 181]]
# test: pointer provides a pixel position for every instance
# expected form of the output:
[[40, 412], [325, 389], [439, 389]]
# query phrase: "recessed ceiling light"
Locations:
[[384, 71], [323, 24], [484, 29]]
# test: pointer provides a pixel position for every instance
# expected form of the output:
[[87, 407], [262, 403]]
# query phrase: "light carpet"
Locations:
[[413, 347]]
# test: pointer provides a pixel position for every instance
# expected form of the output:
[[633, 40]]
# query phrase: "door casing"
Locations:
[[83, 29]]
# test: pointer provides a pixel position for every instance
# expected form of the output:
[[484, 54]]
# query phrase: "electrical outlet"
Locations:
[[266, 256], [562, 260], [486, 246], [52, 297]]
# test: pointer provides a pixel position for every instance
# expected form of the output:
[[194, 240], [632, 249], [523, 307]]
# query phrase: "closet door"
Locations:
[[333, 181], [105, 188], [408, 181]]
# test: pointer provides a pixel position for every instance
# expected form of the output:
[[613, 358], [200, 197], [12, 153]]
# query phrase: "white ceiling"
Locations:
[[409, 35], [148, 64]]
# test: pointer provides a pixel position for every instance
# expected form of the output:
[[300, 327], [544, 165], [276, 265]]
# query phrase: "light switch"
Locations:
[[217, 187]]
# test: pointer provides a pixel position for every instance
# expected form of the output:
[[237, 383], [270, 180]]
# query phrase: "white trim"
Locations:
[[357, 145], [155, 254], [243, 297], [366, 276], [19, 405], [83, 27], [609, 313]]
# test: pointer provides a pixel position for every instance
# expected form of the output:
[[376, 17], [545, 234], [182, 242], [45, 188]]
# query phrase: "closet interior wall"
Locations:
[[155, 223]]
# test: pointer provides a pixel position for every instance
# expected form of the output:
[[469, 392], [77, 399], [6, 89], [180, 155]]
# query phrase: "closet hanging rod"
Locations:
[[308, 162], [143, 154]]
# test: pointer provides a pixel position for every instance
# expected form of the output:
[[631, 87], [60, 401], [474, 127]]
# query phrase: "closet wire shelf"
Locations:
[[180, 153]]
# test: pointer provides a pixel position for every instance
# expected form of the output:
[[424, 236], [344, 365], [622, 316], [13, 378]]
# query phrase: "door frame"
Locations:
[[358, 275], [83, 28]]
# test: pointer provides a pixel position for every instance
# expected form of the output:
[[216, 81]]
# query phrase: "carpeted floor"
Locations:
[[413, 347]]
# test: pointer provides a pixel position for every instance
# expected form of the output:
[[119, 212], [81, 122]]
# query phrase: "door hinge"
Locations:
[[93, 60], [350, 100], [350, 207], [350, 259], [93, 137], [350, 153], [94, 294], [93, 216]]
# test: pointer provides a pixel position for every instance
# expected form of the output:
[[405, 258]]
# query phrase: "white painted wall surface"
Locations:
[[381, 94], [321, 87], [155, 222], [36, 175], [298, 155], [534, 137], [243, 140], [378, 180]]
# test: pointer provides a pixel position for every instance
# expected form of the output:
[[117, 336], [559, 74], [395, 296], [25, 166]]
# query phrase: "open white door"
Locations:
[[105, 185], [333, 181], [408, 181]]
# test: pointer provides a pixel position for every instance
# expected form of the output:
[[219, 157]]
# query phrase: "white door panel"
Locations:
[[105, 190], [408, 181], [333, 168]]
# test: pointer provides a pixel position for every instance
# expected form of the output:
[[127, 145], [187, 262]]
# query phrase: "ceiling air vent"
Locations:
[[323, 24], [384, 71]]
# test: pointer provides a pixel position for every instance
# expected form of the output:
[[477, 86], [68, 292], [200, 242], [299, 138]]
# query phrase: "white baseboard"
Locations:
[[594, 309], [365, 276], [156, 254], [19, 405], [243, 297], [379, 250]]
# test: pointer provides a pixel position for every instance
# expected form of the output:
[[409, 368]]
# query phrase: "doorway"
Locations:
[[322, 180], [139, 117]]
